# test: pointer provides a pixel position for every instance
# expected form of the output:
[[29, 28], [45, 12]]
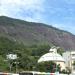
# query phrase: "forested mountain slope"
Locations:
[[30, 33]]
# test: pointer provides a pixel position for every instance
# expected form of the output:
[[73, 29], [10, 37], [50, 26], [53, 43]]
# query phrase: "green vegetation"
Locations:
[[49, 67], [29, 41], [30, 33], [27, 56]]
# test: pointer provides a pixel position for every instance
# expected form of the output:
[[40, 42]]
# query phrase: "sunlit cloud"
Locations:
[[23, 9]]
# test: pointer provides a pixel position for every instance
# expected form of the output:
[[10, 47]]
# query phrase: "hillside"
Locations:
[[31, 33]]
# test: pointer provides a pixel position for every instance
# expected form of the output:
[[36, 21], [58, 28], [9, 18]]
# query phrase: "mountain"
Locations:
[[30, 33]]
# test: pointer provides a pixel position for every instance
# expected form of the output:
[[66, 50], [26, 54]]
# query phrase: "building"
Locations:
[[53, 56], [69, 57]]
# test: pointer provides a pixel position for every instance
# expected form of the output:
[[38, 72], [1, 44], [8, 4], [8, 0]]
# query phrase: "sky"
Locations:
[[58, 13]]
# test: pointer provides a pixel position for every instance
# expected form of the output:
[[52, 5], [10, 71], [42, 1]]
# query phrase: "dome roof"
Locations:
[[51, 57]]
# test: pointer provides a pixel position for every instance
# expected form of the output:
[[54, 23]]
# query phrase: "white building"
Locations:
[[53, 56], [69, 57]]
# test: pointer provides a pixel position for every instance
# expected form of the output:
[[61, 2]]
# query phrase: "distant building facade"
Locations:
[[69, 57]]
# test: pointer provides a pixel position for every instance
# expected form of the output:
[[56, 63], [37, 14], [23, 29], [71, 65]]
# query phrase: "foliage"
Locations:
[[3, 64], [48, 67], [27, 56], [74, 63], [60, 51]]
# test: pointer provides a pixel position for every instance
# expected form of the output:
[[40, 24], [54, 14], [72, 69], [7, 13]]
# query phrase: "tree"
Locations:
[[48, 66], [60, 51]]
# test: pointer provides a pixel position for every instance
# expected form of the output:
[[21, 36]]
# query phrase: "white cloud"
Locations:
[[23, 9]]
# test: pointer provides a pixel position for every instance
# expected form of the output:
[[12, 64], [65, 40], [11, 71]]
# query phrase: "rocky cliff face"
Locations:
[[35, 33]]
